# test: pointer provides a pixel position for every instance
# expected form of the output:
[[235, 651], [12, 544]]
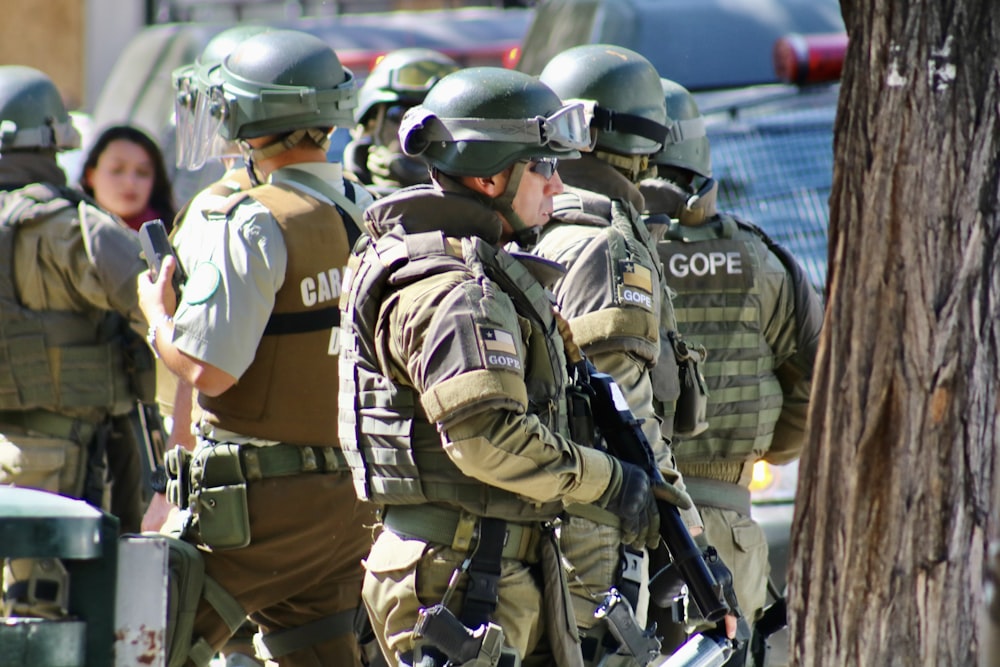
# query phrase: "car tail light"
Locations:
[[803, 59], [511, 57]]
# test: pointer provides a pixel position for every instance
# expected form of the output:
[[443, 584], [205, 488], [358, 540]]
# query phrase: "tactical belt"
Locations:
[[50, 423], [283, 459], [715, 493], [457, 529]]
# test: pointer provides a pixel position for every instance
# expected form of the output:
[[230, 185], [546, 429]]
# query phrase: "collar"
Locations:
[[591, 173], [426, 208]]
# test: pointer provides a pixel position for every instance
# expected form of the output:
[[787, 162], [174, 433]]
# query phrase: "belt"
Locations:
[[50, 423], [458, 529], [714, 493], [284, 459]]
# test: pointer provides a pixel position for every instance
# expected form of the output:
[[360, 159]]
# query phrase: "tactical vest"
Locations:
[[287, 393], [394, 450], [630, 236], [54, 360], [716, 269]]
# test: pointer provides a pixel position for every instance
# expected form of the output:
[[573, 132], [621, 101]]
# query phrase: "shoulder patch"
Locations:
[[202, 284], [637, 284], [498, 348]]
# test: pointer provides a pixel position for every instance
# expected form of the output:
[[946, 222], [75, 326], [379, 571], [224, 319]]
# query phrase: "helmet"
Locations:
[[226, 42], [32, 113], [278, 82], [403, 76], [192, 151], [687, 147], [623, 89], [479, 121]]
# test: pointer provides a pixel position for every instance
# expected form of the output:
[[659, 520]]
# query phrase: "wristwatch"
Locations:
[[158, 480]]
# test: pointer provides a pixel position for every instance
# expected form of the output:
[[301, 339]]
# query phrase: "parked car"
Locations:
[[139, 89], [771, 135]]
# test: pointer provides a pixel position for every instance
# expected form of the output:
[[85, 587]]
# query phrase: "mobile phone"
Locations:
[[156, 246]]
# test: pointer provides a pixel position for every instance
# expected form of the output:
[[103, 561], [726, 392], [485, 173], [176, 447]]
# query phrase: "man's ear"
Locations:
[[491, 186]]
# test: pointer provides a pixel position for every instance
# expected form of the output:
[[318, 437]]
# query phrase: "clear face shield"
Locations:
[[203, 142], [184, 101]]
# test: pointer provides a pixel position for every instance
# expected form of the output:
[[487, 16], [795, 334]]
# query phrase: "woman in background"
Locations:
[[124, 172]]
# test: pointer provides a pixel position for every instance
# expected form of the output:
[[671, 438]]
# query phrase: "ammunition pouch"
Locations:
[[212, 483], [581, 418], [692, 404]]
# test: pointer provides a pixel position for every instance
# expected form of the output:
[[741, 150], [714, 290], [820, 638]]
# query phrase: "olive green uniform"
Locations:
[[291, 553], [613, 296], [760, 318], [70, 289], [454, 395]]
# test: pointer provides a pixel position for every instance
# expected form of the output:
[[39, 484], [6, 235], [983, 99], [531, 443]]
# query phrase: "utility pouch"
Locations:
[[692, 404], [581, 418], [177, 464], [219, 497]]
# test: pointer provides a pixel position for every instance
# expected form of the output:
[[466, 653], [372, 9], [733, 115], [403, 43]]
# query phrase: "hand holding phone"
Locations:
[[156, 246]]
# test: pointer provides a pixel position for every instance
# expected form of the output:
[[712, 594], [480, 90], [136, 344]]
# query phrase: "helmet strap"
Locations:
[[524, 236], [252, 155]]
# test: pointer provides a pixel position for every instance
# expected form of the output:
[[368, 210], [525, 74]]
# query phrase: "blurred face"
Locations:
[[539, 184], [123, 178]]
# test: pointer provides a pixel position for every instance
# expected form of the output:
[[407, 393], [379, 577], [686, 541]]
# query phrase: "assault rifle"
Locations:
[[625, 440]]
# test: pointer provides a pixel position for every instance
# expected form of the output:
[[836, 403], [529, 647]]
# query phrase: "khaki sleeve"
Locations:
[[793, 334], [459, 342]]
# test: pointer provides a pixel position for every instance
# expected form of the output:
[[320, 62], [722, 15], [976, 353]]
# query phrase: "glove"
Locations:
[[630, 497]]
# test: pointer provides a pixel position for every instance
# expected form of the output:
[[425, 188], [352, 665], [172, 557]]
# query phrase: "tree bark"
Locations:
[[896, 498]]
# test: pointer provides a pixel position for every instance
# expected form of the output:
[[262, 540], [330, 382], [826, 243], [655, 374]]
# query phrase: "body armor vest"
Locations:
[[286, 393], [394, 450], [623, 227], [716, 269], [54, 360]]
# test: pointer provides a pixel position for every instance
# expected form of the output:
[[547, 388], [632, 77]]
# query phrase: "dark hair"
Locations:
[[161, 198]]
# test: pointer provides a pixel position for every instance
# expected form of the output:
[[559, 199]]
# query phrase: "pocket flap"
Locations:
[[392, 553], [749, 536]]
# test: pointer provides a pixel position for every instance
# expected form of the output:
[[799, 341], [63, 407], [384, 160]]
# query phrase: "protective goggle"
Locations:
[[544, 166], [419, 76], [565, 130], [608, 120]]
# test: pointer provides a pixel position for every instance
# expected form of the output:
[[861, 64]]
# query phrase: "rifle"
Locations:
[[626, 441]]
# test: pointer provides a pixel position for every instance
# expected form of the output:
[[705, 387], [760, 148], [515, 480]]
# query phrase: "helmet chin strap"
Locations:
[[524, 235], [283, 143]]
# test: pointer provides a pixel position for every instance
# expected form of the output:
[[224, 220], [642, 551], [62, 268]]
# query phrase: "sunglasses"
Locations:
[[544, 166]]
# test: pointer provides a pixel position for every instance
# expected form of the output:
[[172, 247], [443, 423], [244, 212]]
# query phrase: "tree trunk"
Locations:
[[896, 499]]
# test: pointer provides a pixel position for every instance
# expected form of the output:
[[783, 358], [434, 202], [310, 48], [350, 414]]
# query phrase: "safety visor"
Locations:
[[200, 141], [184, 120], [419, 76], [565, 130]]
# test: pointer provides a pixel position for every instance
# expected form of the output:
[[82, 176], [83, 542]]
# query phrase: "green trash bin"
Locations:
[[39, 524]]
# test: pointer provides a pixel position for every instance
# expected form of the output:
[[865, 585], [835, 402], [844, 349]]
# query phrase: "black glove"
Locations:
[[630, 497]]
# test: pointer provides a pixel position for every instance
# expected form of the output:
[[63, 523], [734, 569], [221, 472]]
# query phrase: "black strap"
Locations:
[[351, 226], [483, 591], [296, 323], [626, 123], [628, 581]]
